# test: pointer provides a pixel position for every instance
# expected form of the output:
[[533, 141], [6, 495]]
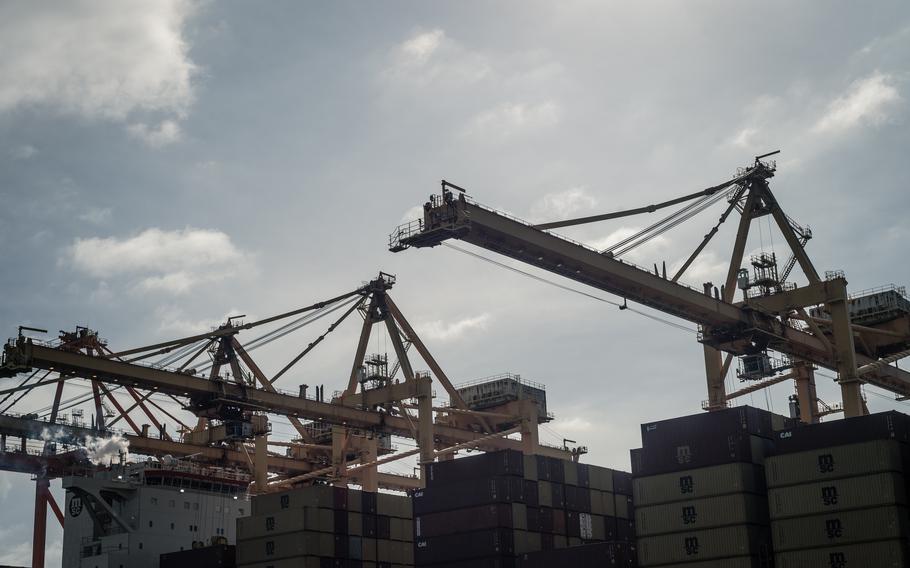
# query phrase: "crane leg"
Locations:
[[42, 486], [846, 356], [805, 393]]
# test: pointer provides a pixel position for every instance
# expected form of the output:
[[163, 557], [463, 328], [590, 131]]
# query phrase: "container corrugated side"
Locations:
[[697, 514], [848, 527], [711, 544], [822, 497], [286, 521], [886, 554], [285, 546], [835, 462], [699, 483]]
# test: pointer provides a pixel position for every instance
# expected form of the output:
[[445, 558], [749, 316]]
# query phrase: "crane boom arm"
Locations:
[[735, 328]]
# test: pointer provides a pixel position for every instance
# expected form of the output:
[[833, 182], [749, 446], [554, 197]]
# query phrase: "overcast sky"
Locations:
[[165, 164]]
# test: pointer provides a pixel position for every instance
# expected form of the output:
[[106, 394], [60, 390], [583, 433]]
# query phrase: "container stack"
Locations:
[[491, 509], [326, 527], [699, 489], [838, 493]]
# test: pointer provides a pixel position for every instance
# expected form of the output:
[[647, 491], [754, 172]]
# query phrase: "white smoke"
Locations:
[[101, 450]]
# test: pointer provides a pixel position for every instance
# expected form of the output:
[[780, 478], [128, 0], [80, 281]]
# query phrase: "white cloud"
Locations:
[[509, 119], [96, 215], [562, 204], [432, 58], [5, 486], [167, 132], [441, 331], [744, 138], [23, 152], [98, 59], [421, 47], [867, 101], [174, 321], [169, 261], [17, 554]]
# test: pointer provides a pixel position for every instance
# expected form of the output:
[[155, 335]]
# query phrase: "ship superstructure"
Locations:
[[128, 515]]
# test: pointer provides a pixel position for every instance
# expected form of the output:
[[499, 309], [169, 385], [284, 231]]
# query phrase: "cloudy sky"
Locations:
[[165, 164]]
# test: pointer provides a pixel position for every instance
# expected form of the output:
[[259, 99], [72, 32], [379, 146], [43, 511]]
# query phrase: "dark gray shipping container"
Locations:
[[836, 462], [822, 497], [215, 556], [848, 527], [464, 546], [710, 544], [699, 483], [607, 554], [737, 420], [885, 554], [711, 449], [880, 426], [500, 515], [481, 466], [470, 493], [710, 512]]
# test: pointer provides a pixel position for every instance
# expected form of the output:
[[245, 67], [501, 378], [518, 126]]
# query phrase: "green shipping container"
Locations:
[[286, 521], [848, 527], [886, 554], [311, 496], [835, 463], [697, 514], [710, 544], [698, 483], [837, 495], [285, 546]]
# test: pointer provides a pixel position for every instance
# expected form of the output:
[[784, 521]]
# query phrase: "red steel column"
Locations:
[[42, 486]]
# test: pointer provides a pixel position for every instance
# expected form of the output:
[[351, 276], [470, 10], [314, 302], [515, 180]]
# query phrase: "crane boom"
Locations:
[[735, 327]]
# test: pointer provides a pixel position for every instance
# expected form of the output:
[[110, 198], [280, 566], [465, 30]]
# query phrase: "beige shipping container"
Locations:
[[848, 527], [837, 495], [600, 478], [698, 483], [885, 554], [710, 544], [697, 514], [394, 505], [285, 546], [603, 503], [310, 496], [286, 521], [834, 463]]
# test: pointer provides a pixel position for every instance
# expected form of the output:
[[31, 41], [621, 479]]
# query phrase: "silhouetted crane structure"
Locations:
[[815, 324], [341, 439]]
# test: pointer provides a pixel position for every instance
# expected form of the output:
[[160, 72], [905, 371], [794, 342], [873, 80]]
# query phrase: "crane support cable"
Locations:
[[229, 330], [647, 208], [623, 306], [262, 341], [665, 224], [318, 340]]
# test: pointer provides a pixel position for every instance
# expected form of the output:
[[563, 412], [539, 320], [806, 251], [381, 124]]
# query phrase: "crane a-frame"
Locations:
[[810, 324]]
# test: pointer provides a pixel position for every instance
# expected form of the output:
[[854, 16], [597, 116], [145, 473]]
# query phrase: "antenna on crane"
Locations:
[[758, 158]]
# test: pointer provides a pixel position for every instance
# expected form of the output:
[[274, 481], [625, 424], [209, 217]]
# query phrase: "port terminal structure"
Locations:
[[812, 325], [341, 439]]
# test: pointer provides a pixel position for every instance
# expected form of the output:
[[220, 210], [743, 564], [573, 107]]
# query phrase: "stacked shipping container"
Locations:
[[837, 493], [699, 489], [490, 509], [326, 527]]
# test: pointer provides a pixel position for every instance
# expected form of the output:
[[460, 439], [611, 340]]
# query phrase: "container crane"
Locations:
[[775, 318]]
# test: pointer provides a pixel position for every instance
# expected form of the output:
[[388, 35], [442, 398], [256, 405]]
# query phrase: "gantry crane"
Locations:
[[213, 376], [810, 324]]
